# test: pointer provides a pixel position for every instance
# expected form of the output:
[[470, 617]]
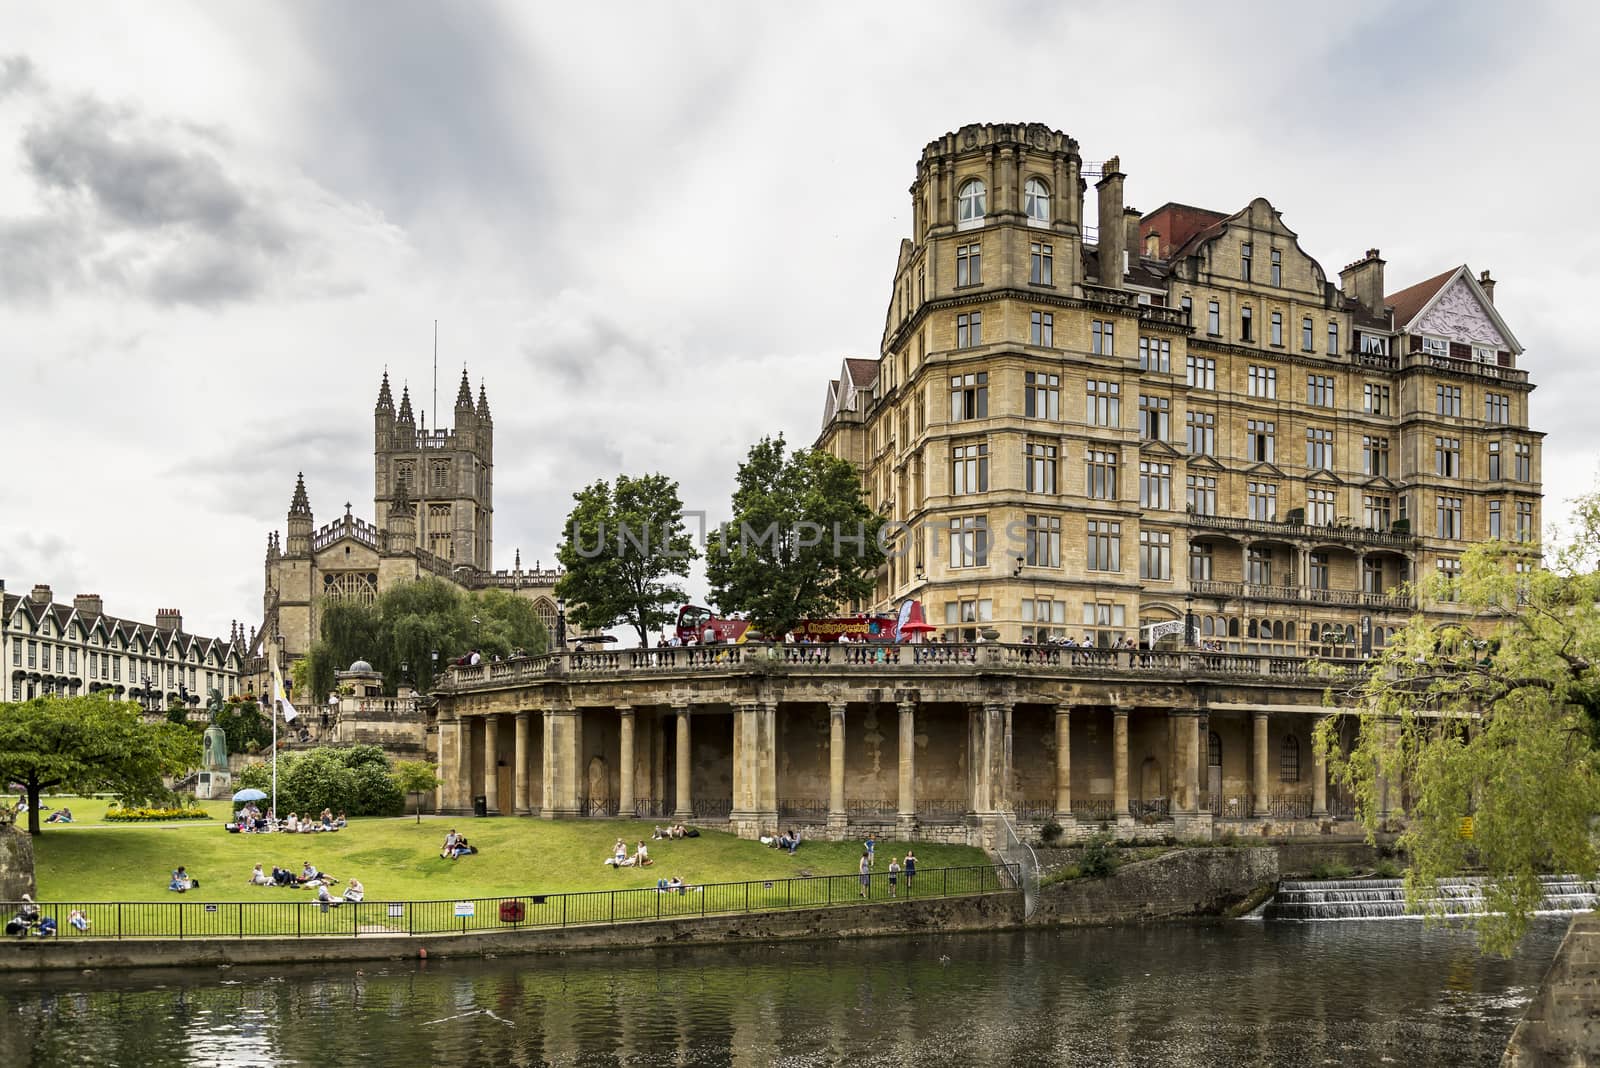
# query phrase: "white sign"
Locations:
[[465, 910], [397, 912]]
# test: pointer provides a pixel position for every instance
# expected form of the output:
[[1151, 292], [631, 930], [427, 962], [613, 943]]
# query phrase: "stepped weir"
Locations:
[[1385, 899]]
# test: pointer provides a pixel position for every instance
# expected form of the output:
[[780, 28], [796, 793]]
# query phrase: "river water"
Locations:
[[1229, 993]]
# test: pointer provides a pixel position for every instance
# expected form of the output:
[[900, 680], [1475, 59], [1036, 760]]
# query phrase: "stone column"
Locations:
[[465, 785], [450, 785], [755, 808], [547, 794], [524, 726], [838, 817], [626, 759], [685, 803], [1258, 751], [1188, 754], [1119, 768], [906, 805], [1063, 764], [993, 772], [491, 757], [1319, 774]]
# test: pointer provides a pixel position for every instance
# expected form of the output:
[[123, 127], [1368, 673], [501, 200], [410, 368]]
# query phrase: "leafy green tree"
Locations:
[[243, 722], [89, 744], [352, 779], [416, 777], [802, 541], [1493, 716], [622, 548], [400, 633]]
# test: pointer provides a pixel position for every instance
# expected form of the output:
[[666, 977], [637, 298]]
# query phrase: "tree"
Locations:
[[400, 632], [802, 541], [622, 546], [1495, 716], [416, 777], [353, 779], [86, 745]]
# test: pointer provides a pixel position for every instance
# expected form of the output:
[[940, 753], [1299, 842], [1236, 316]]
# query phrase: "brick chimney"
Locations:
[[1363, 280], [1485, 283], [88, 604], [169, 619], [1113, 232], [41, 594]]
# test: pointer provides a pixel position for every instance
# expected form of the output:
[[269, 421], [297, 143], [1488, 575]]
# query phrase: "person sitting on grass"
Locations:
[[292, 824], [79, 921], [661, 832], [791, 842], [326, 900], [354, 892], [309, 874], [464, 848], [182, 881], [339, 822], [61, 815], [452, 846], [641, 858], [260, 878]]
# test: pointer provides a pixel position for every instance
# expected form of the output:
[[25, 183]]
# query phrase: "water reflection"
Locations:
[[1235, 993]]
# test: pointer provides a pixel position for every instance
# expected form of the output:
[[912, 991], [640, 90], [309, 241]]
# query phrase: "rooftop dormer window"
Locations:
[[971, 205]]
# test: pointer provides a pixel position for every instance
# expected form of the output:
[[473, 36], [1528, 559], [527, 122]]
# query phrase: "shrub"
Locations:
[[1387, 869], [1099, 857], [376, 792], [1323, 869], [353, 779], [1051, 833]]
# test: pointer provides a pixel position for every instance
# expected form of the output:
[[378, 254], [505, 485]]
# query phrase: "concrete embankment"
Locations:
[[1185, 882], [1562, 1023]]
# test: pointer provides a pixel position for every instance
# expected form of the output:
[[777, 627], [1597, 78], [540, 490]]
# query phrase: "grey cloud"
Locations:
[[579, 342], [16, 74], [253, 474]]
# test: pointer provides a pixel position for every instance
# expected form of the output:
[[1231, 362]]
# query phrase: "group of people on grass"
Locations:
[[676, 830], [251, 820], [354, 892], [869, 859], [456, 846], [620, 858]]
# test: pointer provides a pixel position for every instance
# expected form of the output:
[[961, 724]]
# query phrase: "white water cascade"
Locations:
[[1385, 899]]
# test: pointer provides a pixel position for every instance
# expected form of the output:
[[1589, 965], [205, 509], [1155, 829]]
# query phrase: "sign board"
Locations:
[[465, 910], [211, 908], [766, 886], [397, 912], [1465, 828]]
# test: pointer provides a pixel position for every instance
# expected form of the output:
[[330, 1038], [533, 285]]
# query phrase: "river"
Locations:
[[1228, 993]]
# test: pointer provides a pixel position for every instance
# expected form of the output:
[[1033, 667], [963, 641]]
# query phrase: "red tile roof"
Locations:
[[1411, 300]]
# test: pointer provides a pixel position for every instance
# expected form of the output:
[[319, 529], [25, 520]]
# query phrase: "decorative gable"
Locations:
[[1460, 314]]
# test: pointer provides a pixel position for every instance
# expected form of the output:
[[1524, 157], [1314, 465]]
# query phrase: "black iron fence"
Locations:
[[302, 918]]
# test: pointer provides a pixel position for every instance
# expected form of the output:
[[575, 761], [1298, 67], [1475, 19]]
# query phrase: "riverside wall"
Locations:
[[1561, 1025], [1186, 882]]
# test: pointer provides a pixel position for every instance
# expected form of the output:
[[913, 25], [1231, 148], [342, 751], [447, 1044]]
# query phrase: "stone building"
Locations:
[[1081, 432], [68, 649], [433, 509], [1172, 436]]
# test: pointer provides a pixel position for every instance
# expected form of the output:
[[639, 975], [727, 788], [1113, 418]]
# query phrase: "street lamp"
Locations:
[[561, 625], [1188, 619]]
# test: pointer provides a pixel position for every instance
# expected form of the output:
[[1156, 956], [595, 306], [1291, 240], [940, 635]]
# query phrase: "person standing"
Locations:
[[910, 870], [866, 869], [872, 849], [894, 874]]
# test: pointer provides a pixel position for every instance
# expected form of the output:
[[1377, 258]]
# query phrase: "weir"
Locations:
[[1385, 899]]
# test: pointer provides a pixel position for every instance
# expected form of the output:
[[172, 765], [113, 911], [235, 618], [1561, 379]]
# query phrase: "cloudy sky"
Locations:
[[653, 230]]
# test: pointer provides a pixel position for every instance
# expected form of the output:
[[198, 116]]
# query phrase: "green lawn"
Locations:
[[398, 859]]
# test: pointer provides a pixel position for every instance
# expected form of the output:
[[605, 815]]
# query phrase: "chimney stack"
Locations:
[[41, 594], [1113, 232], [1131, 218], [169, 619], [88, 604], [1486, 284], [1363, 281]]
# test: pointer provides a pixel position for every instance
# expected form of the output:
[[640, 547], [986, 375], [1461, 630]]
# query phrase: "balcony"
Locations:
[[1251, 591], [1343, 533], [1465, 367]]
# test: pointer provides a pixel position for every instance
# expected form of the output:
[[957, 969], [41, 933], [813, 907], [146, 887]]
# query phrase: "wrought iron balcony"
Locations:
[[1344, 533], [1250, 591]]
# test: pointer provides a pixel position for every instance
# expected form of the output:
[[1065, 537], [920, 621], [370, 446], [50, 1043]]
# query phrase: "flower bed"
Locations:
[[148, 815]]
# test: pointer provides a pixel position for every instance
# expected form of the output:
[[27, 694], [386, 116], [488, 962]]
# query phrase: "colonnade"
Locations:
[[556, 784]]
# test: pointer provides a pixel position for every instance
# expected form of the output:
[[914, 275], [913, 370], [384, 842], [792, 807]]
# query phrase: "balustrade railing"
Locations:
[[714, 808], [872, 656], [858, 807], [1094, 809], [1153, 808]]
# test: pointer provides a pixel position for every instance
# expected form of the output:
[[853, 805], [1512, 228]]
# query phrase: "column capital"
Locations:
[[907, 704], [1120, 711], [526, 715], [837, 708], [624, 710]]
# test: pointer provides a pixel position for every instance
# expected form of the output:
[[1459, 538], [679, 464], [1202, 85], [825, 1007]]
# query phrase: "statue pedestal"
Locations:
[[213, 786]]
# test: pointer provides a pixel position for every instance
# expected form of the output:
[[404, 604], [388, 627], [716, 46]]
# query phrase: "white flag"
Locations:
[[289, 714]]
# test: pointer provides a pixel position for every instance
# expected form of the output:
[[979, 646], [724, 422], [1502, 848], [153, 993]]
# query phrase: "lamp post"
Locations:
[[1188, 620], [561, 625]]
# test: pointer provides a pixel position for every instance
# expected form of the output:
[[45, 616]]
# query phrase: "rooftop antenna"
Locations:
[[436, 365]]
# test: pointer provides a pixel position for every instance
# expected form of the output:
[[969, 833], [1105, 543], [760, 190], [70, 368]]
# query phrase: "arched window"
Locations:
[[971, 204], [1289, 760], [547, 616], [1036, 202], [1214, 750]]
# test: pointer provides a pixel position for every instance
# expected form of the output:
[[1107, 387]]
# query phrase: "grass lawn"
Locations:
[[93, 810], [398, 859]]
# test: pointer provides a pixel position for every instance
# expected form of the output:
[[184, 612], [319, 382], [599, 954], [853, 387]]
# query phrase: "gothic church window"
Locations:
[[358, 586]]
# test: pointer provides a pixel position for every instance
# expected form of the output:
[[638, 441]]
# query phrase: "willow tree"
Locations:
[[1495, 716]]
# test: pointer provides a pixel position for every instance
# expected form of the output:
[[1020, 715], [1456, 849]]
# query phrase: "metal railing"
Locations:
[[1155, 808], [309, 919], [1094, 810], [802, 808], [1289, 806]]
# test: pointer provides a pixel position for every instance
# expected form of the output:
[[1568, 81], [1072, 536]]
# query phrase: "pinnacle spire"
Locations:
[[405, 406], [385, 398], [301, 504], [464, 395], [483, 402]]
